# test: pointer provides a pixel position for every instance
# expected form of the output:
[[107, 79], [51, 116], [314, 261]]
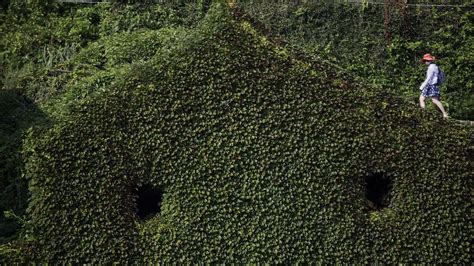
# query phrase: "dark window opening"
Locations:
[[148, 201], [378, 188]]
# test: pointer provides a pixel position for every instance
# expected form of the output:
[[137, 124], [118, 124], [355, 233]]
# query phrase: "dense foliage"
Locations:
[[16, 115], [383, 44], [146, 92], [263, 154], [52, 55]]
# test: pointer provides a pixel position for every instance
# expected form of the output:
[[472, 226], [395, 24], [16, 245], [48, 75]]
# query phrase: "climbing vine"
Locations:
[[264, 153]]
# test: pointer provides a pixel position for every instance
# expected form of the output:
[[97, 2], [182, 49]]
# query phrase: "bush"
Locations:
[[16, 114], [262, 154], [129, 47], [131, 18]]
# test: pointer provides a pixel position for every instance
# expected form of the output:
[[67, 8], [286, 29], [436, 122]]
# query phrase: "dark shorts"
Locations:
[[431, 91]]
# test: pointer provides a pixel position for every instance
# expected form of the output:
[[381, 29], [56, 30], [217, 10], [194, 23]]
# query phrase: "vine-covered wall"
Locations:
[[262, 152]]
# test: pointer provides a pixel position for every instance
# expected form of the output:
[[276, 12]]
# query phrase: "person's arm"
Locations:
[[430, 73]]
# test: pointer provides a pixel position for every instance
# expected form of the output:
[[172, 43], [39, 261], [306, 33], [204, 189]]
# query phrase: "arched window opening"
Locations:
[[378, 187], [148, 201]]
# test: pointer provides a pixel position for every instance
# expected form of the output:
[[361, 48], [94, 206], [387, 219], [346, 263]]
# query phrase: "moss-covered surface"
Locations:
[[262, 153]]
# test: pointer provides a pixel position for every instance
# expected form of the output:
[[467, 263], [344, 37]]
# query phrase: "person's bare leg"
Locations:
[[422, 102], [440, 106]]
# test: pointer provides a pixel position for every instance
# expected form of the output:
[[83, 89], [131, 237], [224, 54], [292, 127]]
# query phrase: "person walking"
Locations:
[[429, 88]]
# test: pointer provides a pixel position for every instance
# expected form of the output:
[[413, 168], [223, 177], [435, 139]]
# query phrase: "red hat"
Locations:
[[427, 57]]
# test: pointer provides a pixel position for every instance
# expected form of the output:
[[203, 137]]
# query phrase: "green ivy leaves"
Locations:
[[261, 151]]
